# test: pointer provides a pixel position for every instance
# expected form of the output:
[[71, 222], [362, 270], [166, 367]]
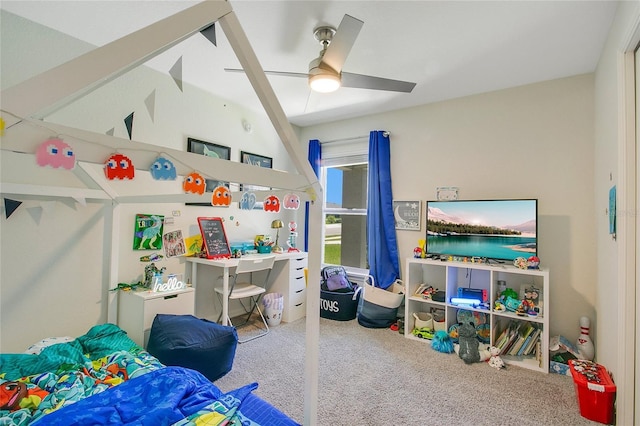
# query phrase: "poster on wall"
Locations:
[[407, 215], [147, 233], [248, 200], [174, 244], [213, 150]]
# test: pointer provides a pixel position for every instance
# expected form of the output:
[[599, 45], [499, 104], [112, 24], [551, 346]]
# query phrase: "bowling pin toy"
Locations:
[[584, 344]]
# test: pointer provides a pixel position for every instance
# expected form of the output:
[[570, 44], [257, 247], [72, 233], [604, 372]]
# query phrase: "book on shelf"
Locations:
[[535, 338], [502, 338], [512, 336], [524, 331], [517, 338], [524, 345]]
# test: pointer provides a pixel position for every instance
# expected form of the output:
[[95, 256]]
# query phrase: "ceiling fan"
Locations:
[[325, 72]]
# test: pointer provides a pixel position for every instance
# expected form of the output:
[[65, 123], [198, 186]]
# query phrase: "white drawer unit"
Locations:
[[288, 279], [137, 309]]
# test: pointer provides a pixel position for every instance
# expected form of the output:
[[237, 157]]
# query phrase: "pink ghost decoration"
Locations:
[[291, 202], [55, 153]]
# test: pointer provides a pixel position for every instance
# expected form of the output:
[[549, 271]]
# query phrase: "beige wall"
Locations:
[[533, 141], [54, 262], [609, 152]]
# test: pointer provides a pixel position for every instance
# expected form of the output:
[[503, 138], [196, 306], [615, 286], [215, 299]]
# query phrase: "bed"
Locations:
[[26, 106], [103, 377]]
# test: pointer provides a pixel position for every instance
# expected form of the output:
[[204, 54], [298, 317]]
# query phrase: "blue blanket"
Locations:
[[104, 378], [167, 396]]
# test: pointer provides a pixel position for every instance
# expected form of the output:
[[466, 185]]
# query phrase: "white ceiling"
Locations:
[[449, 48]]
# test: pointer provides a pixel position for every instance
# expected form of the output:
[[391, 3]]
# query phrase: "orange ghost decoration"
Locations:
[[221, 196], [194, 183]]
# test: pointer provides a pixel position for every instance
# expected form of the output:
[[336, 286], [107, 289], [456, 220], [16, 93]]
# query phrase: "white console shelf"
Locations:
[[448, 276]]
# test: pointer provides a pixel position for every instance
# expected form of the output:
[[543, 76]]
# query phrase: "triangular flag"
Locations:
[[176, 72], [150, 102], [36, 213], [110, 131], [81, 200], [210, 34], [10, 206], [48, 206], [129, 123]]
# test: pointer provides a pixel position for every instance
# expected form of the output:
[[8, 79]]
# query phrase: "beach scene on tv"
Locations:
[[493, 229]]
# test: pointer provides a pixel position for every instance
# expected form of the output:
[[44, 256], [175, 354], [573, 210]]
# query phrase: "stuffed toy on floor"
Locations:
[[495, 361], [442, 342], [468, 347]]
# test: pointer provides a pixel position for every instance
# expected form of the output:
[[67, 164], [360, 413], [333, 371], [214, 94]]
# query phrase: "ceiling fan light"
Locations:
[[324, 83]]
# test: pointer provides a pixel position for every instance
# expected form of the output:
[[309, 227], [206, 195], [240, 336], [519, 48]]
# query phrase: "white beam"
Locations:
[[59, 86], [258, 79], [40, 191], [26, 136]]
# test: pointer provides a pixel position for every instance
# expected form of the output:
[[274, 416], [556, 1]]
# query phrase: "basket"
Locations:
[[388, 298], [378, 308], [423, 319], [339, 306]]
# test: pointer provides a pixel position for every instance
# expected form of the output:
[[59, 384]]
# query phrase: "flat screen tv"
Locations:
[[494, 229]]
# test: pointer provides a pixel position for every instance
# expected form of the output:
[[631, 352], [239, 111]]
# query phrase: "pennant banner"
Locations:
[[81, 200], [129, 123], [10, 206], [36, 213], [48, 206], [210, 34], [150, 103], [176, 72]]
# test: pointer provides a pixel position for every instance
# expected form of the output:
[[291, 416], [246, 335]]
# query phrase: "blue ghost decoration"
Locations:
[[248, 201], [163, 169]]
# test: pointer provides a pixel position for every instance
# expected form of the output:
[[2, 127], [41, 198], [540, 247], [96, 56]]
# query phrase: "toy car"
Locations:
[[423, 333]]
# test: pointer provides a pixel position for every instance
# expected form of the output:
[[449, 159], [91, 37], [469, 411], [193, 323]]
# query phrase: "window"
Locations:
[[344, 178]]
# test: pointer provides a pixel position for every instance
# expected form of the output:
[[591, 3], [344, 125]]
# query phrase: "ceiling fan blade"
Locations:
[[280, 73], [361, 81], [342, 42]]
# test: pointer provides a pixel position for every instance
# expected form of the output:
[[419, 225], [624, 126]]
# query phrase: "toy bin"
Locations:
[[339, 306], [595, 390]]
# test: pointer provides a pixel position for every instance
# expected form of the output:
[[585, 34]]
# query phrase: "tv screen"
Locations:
[[492, 229]]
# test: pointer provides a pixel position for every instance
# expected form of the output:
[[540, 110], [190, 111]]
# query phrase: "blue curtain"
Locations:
[[381, 232], [315, 156]]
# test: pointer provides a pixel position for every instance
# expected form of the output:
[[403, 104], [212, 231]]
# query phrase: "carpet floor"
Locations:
[[378, 377]]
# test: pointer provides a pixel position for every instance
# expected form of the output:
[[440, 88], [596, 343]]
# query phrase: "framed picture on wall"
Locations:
[[260, 161], [147, 232], [407, 215], [210, 150]]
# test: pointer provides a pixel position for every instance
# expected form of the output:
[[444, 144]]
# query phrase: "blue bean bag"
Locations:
[[195, 343]]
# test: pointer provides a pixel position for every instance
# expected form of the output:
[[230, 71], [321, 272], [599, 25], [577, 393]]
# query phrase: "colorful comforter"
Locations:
[[104, 378]]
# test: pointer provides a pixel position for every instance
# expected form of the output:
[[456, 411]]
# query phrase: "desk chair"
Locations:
[[240, 289]]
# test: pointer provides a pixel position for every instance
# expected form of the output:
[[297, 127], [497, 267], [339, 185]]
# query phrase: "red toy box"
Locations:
[[595, 390]]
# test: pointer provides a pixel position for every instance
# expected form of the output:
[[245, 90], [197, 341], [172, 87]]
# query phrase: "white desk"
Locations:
[[287, 277]]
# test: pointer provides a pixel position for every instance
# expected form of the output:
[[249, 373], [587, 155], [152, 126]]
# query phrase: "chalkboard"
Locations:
[[214, 237]]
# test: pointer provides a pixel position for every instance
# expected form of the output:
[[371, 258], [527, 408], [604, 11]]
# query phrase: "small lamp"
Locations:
[[277, 224]]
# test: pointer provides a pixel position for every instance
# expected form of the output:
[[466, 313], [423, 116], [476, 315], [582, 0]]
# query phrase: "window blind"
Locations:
[[345, 151]]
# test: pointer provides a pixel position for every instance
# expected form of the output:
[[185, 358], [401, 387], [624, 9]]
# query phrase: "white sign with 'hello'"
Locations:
[[172, 284]]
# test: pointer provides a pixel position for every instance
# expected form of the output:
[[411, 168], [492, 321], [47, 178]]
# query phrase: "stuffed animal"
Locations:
[[442, 342], [495, 361], [149, 272], [468, 342]]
